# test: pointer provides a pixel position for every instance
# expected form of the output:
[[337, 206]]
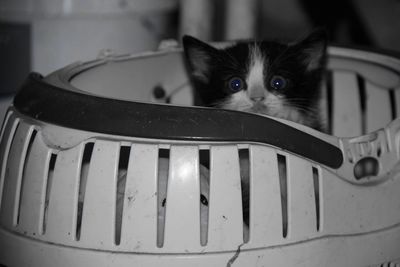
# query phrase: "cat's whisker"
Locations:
[[303, 108]]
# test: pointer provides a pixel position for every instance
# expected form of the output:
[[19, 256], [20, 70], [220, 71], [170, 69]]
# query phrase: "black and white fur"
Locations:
[[301, 66]]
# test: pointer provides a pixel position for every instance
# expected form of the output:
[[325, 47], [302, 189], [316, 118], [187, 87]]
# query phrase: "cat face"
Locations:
[[268, 78]]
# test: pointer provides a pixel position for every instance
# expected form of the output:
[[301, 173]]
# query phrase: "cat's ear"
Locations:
[[199, 56], [313, 49]]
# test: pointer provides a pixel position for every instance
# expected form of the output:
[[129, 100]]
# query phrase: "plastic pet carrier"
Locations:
[[108, 163]]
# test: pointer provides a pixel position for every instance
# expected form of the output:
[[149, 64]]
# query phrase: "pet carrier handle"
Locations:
[[371, 158], [75, 109]]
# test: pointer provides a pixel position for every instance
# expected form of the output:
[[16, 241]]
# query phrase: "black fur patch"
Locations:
[[301, 64]]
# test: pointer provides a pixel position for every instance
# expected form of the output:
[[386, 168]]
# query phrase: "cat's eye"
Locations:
[[236, 84], [203, 200], [278, 82]]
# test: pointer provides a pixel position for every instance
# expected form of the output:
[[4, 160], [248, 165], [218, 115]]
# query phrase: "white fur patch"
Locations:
[[255, 78], [238, 101], [272, 105]]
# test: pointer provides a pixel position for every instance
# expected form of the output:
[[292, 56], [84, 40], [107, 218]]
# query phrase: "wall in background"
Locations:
[[44, 35]]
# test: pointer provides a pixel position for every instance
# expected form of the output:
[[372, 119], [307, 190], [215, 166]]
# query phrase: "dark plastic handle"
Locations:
[[52, 104]]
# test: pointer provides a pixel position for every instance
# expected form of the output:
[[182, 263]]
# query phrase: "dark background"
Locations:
[[366, 23]]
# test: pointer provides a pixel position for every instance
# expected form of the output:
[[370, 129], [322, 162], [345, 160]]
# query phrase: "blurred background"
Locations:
[[44, 35]]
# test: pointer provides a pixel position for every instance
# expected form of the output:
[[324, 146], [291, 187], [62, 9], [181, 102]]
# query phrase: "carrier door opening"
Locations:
[[50, 174], [7, 136], [163, 170], [282, 170], [124, 154], [329, 100], [87, 155], [316, 180], [363, 103], [244, 163], [22, 183], [393, 107], [204, 167]]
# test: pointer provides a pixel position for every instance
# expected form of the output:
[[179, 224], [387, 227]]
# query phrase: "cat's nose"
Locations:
[[256, 93], [257, 98]]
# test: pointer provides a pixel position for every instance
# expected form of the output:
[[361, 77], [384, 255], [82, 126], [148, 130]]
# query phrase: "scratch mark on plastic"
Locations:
[[233, 259]]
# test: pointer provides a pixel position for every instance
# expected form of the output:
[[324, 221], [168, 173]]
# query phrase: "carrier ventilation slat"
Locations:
[[379, 111], [204, 161], [316, 180], [120, 191], [265, 197], [329, 100], [347, 117], [87, 155], [100, 196], [282, 171], [13, 170], [183, 200], [8, 132], [396, 92], [162, 182], [139, 221], [61, 214], [363, 103], [244, 163], [24, 173], [226, 216], [6, 124], [33, 187], [302, 218], [50, 176], [393, 107]]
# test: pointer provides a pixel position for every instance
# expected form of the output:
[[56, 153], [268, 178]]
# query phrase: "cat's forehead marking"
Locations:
[[255, 74]]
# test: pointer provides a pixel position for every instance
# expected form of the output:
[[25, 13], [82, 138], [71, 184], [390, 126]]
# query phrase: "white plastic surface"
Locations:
[[347, 110], [378, 110], [100, 196], [183, 193], [139, 225], [33, 188], [225, 221], [265, 219], [302, 221], [12, 185], [7, 132], [63, 199]]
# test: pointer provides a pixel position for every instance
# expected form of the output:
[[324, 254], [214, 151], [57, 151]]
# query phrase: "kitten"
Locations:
[[270, 78]]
